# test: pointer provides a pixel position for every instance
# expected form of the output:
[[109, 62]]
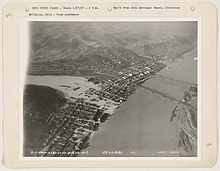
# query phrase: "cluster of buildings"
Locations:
[[71, 128], [123, 86], [165, 50]]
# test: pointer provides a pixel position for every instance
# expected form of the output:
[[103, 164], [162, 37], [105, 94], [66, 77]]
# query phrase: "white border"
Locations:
[[23, 58]]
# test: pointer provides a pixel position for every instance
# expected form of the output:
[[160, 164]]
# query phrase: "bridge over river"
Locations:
[[163, 94], [174, 81]]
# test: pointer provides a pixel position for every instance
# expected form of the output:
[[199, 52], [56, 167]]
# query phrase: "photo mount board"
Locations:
[[15, 15]]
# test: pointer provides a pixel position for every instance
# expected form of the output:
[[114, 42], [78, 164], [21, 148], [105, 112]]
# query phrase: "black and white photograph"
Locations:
[[111, 89]]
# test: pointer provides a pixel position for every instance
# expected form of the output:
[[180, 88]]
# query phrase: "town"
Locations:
[[74, 123]]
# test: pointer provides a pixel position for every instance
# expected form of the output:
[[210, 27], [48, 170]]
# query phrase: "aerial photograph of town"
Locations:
[[111, 89]]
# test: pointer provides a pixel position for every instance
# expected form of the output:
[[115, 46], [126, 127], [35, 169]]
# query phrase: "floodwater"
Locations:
[[141, 126], [71, 86]]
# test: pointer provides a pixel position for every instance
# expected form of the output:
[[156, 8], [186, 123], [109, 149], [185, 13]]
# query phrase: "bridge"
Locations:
[[174, 81], [164, 95]]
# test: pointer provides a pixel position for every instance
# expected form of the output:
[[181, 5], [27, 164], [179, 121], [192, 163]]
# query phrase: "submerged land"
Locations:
[[78, 81]]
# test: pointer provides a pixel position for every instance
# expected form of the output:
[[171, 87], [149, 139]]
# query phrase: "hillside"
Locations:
[[87, 48], [39, 102]]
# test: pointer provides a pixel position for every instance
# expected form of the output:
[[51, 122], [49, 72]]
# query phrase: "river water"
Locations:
[[141, 126]]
